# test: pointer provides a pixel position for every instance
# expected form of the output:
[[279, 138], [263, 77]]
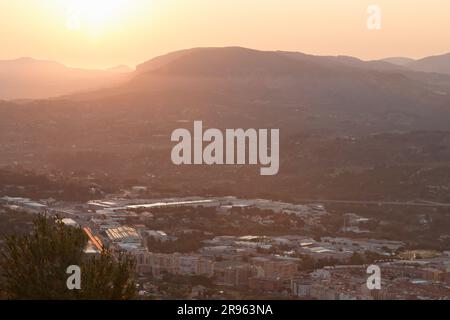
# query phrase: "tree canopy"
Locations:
[[34, 266]]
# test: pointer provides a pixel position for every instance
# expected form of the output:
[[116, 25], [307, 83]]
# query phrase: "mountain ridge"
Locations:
[[434, 64], [125, 130], [29, 78]]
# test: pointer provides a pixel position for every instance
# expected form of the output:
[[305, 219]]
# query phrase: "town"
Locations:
[[232, 248]]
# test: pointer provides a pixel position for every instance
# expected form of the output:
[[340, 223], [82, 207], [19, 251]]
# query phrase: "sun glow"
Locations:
[[93, 16]]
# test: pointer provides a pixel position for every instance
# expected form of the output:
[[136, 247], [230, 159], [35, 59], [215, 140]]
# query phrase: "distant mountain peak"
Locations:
[[437, 64], [29, 61], [120, 69], [30, 78], [399, 61], [25, 59]]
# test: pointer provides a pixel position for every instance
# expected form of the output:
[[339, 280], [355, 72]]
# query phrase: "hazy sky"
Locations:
[[103, 33]]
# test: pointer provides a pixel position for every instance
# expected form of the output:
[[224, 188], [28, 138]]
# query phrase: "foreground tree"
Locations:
[[34, 266]]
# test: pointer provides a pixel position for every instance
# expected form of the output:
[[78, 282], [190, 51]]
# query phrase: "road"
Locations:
[[379, 203]]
